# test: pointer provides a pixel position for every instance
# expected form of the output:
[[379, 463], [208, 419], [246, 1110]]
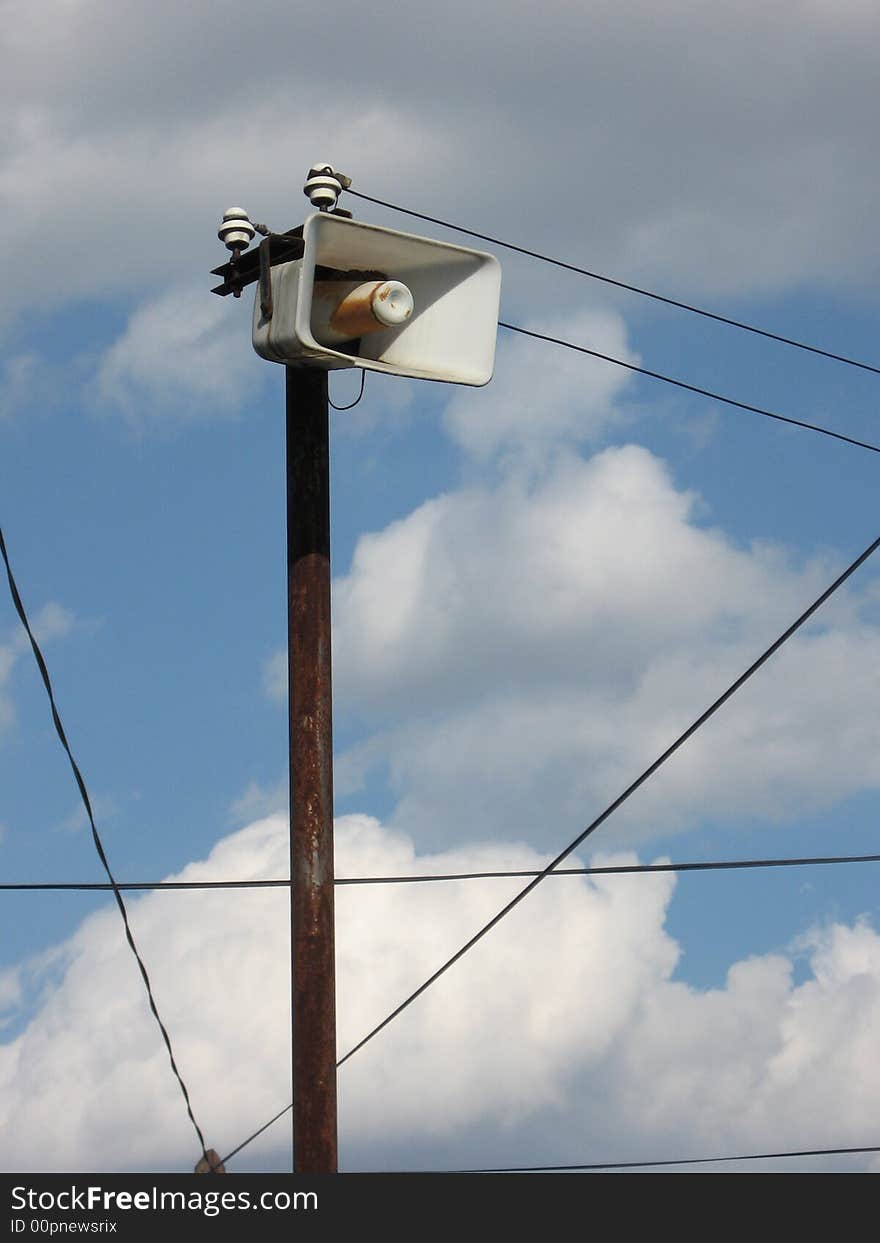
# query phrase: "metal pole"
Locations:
[[311, 772]]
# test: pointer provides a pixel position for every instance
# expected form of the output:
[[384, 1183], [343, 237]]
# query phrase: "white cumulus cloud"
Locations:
[[183, 354], [519, 651], [584, 130], [538, 398]]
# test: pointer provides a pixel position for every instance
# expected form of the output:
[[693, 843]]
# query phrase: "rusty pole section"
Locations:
[[311, 772]]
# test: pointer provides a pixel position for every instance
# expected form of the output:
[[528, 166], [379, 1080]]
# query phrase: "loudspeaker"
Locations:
[[365, 296]]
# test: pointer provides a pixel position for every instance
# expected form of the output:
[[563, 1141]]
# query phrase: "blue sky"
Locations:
[[537, 584]]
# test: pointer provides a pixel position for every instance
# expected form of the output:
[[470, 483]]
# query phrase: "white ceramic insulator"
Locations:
[[236, 229], [322, 190]]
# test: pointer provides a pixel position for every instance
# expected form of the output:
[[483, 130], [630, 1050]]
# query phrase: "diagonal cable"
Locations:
[[609, 280], [627, 793], [250, 1138], [59, 728], [691, 388]]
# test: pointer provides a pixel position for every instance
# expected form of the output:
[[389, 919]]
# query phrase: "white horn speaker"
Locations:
[[364, 296]]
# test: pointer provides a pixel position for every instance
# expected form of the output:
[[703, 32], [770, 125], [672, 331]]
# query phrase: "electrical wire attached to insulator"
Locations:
[[324, 185]]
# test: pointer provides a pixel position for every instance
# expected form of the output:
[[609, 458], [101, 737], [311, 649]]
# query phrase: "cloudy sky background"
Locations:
[[537, 585]]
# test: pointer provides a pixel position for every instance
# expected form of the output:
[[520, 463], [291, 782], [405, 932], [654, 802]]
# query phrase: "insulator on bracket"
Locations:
[[236, 231], [324, 185]]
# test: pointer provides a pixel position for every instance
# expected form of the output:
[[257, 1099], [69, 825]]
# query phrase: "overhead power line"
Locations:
[[623, 869], [59, 728], [692, 388], [251, 1138], [642, 1165], [609, 810], [603, 1165], [619, 284]]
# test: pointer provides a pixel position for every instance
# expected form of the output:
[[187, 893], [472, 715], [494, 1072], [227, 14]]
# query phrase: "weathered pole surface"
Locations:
[[311, 772]]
